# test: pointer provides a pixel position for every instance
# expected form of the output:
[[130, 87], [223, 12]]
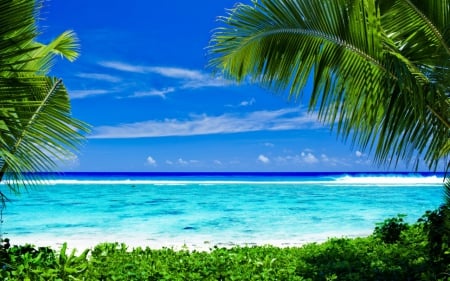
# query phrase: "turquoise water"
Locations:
[[214, 209]]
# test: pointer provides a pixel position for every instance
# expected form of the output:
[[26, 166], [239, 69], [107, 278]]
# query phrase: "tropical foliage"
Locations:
[[380, 68], [36, 127]]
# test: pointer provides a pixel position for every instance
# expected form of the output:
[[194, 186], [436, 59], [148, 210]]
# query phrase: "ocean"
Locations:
[[202, 210]]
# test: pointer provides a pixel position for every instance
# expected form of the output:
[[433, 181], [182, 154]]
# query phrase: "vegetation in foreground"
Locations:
[[395, 251]]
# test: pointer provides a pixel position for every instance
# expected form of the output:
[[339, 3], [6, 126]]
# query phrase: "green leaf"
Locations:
[[379, 69], [37, 129]]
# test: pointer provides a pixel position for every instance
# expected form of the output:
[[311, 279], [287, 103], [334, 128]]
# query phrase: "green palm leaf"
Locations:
[[66, 45], [371, 81], [37, 129], [17, 32]]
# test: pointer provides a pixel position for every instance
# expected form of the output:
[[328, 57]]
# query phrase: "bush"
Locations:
[[437, 229], [390, 230]]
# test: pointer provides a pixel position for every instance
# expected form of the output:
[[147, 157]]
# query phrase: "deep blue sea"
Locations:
[[201, 210]]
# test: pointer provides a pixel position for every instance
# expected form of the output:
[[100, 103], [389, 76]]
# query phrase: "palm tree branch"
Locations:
[[320, 36], [43, 103], [37, 131], [444, 121], [281, 55], [437, 33], [66, 45], [17, 30]]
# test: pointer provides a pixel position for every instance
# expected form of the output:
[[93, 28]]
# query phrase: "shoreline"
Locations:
[[197, 244], [206, 246]]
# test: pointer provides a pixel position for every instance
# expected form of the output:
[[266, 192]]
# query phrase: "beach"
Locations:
[[83, 243]]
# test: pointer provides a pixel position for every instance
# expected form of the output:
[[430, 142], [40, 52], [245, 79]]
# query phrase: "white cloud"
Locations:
[[170, 72], [206, 81], [283, 119], [80, 94], [242, 103], [309, 158], [99, 76], [263, 159], [183, 162], [65, 162], [324, 158], [330, 161], [269, 144], [362, 159], [151, 161], [153, 92], [181, 78], [247, 103], [123, 66], [175, 72], [218, 162], [188, 78]]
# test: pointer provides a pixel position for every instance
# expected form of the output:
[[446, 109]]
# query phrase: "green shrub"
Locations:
[[436, 225], [390, 230]]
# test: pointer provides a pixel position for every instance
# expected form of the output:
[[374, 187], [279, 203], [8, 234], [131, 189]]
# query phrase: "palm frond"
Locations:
[[65, 45], [18, 31], [421, 32], [367, 83], [37, 127]]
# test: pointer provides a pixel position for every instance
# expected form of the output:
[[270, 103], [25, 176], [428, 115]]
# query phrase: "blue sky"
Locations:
[[143, 84]]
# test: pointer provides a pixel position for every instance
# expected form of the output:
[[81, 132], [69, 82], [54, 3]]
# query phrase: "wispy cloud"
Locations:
[[207, 81], [309, 158], [184, 78], [181, 162], [120, 66], [80, 94], [170, 72], [65, 162], [153, 92], [100, 77], [283, 119], [177, 78], [244, 103], [248, 102], [361, 158], [175, 72]]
